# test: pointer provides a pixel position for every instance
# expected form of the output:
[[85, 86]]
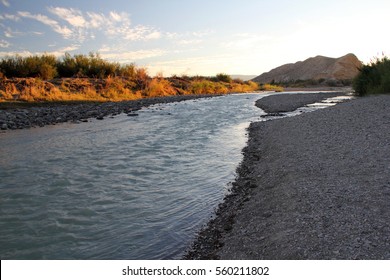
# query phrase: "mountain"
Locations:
[[314, 68]]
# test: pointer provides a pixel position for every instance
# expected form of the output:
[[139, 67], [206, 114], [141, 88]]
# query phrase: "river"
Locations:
[[128, 187]]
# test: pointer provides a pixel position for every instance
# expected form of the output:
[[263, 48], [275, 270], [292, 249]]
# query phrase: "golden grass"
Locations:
[[114, 88], [269, 87]]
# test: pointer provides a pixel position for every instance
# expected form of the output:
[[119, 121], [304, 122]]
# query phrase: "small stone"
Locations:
[[4, 126]]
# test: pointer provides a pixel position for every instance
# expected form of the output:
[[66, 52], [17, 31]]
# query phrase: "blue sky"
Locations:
[[202, 37]]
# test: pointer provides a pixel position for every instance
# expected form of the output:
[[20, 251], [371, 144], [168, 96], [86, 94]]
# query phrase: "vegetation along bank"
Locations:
[[91, 78]]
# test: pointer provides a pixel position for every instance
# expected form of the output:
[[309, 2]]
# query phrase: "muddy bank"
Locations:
[[313, 186], [27, 116]]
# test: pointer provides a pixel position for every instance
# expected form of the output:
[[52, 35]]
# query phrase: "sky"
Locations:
[[197, 37]]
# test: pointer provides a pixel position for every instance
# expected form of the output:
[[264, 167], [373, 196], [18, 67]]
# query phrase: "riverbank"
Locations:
[[313, 186], [27, 115]]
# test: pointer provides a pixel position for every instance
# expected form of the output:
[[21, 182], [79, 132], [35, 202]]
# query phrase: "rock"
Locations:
[[4, 126], [319, 67], [272, 115]]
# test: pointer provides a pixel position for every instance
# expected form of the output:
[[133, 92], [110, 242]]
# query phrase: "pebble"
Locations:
[[21, 118]]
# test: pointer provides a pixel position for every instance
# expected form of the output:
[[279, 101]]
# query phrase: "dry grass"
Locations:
[[112, 88], [269, 87]]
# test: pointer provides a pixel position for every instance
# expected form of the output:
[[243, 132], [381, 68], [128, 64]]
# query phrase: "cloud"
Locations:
[[63, 30], [58, 53], [203, 33], [69, 48], [153, 35], [9, 33], [130, 56], [72, 16], [76, 25], [190, 42], [120, 17], [5, 3], [9, 17], [20, 53], [113, 24], [4, 44], [137, 33], [96, 20]]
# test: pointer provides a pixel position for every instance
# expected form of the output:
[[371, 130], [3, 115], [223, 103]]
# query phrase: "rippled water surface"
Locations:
[[122, 188]]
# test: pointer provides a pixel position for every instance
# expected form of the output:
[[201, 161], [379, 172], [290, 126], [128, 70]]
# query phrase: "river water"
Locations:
[[121, 188]]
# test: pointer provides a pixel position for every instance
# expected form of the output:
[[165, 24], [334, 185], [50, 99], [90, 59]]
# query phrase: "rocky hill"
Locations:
[[314, 68]]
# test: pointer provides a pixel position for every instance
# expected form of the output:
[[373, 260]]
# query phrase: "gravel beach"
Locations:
[[27, 115], [313, 186], [290, 102]]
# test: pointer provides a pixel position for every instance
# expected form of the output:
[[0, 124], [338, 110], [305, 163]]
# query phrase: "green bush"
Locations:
[[92, 66], [43, 66], [222, 77], [374, 78]]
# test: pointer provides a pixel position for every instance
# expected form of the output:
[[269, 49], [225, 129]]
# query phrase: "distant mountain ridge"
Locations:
[[314, 68]]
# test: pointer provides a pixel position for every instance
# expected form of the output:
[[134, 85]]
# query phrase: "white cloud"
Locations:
[[5, 3], [190, 42], [69, 48], [9, 17], [21, 53], [113, 24], [72, 16], [9, 33], [137, 33], [171, 35], [82, 25], [63, 30], [96, 20], [58, 53], [120, 17], [153, 35], [4, 44], [130, 56], [201, 34]]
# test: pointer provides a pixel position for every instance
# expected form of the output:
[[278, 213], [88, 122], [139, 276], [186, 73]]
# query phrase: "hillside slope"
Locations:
[[314, 68]]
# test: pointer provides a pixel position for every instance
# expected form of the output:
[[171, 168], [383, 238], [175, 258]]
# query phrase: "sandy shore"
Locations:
[[313, 186]]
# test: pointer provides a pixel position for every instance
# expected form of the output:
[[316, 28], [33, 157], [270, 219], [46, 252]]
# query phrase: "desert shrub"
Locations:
[[271, 87], [47, 71], [43, 66], [128, 71], [159, 87], [201, 86], [92, 66], [222, 77], [141, 78], [373, 78]]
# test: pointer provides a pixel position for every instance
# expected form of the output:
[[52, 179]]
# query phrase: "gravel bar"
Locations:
[[29, 115], [280, 103], [313, 186]]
